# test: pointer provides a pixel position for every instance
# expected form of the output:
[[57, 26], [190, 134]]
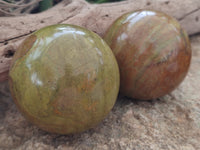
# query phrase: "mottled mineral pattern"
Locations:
[[153, 53], [64, 79]]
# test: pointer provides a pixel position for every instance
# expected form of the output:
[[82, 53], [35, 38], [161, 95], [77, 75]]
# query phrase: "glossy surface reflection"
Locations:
[[64, 79], [153, 53]]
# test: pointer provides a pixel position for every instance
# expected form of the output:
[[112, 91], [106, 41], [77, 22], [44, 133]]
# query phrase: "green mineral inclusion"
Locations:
[[67, 81]]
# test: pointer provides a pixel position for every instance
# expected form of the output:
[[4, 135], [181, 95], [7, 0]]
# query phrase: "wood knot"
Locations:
[[9, 51]]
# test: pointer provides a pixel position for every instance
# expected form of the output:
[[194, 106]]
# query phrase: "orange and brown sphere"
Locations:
[[153, 53]]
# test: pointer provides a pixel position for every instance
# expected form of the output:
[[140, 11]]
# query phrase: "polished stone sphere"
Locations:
[[64, 79], [153, 53]]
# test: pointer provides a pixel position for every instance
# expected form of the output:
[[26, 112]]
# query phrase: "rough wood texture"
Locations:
[[94, 17], [169, 123]]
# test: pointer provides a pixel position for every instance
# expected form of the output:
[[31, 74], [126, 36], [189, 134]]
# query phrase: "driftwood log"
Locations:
[[96, 17]]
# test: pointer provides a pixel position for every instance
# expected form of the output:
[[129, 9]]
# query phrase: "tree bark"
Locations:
[[95, 17]]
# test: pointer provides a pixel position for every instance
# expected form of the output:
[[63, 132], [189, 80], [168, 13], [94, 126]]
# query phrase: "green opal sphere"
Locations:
[[64, 79], [153, 53]]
